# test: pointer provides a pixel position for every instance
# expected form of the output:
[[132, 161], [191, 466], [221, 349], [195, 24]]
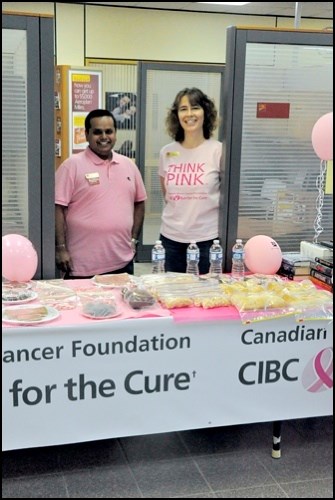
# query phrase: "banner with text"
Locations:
[[122, 378]]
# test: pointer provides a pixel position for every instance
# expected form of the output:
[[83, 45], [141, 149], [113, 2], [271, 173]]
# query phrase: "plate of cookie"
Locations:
[[17, 296], [112, 280], [29, 314]]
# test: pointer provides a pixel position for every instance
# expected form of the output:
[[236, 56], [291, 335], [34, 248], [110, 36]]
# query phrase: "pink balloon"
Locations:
[[19, 258], [262, 255], [322, 137]]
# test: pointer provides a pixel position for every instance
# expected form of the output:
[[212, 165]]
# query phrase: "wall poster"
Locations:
[[85, 91], [123, 106]]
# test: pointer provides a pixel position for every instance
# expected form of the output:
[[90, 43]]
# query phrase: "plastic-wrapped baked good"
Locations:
[[60, 297], [17, 295], [112, 280], [98, 304], [25, 313], [153, 280], [22, 285], [211, 299], [138, 298], [172, 301], [257, 301], [99, 309]]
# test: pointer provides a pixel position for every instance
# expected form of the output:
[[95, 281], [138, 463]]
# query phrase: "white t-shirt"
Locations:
[[192, 182]]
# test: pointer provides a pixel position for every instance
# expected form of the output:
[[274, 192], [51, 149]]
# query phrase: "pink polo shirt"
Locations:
[[99, 196]]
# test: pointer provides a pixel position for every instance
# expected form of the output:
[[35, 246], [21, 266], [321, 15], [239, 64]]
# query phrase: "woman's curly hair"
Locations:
[[196, 97]]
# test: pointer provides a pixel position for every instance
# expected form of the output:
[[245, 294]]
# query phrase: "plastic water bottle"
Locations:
[[158, 257], [215, 258], [192, 258], [237, 268]]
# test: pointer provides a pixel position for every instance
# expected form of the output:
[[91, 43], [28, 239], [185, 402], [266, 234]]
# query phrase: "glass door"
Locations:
[[281, 86], [158, 85], [28, 135]]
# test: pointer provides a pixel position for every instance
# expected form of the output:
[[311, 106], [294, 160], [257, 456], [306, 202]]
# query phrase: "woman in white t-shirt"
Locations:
[[189, 170]]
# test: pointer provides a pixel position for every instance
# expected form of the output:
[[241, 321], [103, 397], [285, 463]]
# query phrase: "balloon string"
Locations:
[[320, 184]]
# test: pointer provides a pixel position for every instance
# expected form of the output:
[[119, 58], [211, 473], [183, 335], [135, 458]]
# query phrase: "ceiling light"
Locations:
[[226, 3]]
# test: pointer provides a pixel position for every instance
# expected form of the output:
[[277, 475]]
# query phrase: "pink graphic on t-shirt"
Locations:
[[185, 174]]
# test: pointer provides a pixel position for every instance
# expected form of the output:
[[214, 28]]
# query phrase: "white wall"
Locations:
[[137, 34]]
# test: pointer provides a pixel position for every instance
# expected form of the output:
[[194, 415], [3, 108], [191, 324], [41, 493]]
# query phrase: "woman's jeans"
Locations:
[[175, 255]]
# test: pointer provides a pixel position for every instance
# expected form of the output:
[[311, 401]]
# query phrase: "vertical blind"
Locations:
[[14, 133], [287, 89]]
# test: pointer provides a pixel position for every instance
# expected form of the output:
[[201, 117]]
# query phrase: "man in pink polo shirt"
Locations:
[[100, 198]]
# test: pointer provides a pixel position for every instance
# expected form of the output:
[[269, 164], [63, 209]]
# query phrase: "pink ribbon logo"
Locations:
[[318, 373]]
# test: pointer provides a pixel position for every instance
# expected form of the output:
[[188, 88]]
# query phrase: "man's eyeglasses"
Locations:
[[98, 131]]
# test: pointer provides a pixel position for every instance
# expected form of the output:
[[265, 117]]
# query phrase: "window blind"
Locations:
[[287, 89], [14, 134]]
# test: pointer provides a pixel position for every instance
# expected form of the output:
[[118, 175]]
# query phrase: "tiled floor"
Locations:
[[142, 268], [225, 462]]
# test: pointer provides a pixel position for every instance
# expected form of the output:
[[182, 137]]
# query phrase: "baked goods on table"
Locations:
[[28, 314], [97, 304], [112, 280], [138, 298], [12, 295]]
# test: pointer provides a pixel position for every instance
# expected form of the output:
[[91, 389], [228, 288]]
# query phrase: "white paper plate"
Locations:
[[32, 296], [101, 317], [50, 314], [18, 285]]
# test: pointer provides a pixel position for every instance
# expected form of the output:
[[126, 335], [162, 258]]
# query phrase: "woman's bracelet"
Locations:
[[62, 245]]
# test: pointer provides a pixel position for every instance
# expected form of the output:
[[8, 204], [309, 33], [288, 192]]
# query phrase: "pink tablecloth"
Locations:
[[184, 314], [188, 314], [179, 315]]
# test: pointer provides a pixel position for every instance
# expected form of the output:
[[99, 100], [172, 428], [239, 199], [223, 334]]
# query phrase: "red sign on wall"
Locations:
[[273, 110]]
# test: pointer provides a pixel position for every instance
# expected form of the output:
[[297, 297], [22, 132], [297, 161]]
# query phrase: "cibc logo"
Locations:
[[318, 373], [267, 372]]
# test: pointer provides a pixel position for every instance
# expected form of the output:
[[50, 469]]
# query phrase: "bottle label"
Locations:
[[193, 256], [156, 257], [238, 255], [216, 256]]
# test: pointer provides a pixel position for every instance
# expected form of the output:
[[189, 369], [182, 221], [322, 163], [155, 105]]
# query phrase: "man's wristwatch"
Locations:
[[135, 241]]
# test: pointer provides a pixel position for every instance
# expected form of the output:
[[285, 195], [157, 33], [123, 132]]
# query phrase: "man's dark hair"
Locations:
[[98, 113]]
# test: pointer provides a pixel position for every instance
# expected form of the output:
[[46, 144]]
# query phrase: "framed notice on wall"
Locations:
[[77, 92], [85, 94]]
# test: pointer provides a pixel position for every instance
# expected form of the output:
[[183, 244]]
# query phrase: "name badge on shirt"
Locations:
[[93, 178], [172, 153]]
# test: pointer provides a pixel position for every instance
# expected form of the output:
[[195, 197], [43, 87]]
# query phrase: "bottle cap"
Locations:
[[158, 242], [217, 242]]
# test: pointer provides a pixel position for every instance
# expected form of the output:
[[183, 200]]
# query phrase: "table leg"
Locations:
[[276, 437]]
